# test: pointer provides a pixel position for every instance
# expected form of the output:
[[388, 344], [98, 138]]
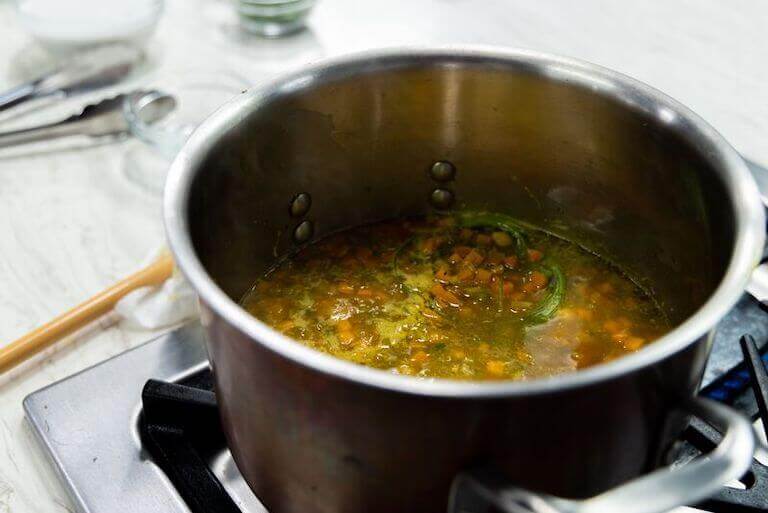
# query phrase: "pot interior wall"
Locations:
[[538, 144]]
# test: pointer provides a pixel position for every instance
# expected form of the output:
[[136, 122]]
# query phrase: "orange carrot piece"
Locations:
[[536, 281], [502, 239], [466, 274], [495, 367], [345, 332], [634, 343], [483, 276], [446, 296], [442, 275], [473, 258], [286, 325], [419, 357], [431, 244], [483, 239], [346, 289], [534, 255], [462, 251], [620, 336], [617, 325], [495, 257], [539, 279], [511, 261]]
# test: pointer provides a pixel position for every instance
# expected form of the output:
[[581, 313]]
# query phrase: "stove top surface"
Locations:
[[89, 423]]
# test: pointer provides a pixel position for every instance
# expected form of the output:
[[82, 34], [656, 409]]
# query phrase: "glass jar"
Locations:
[[273, 18]]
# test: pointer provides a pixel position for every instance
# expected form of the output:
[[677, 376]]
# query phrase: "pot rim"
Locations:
[[743, 196]]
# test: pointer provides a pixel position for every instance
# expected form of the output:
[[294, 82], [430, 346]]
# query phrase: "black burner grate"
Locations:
[[180, 429], [734, 388]]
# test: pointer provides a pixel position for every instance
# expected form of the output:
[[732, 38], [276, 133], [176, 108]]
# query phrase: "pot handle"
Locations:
[[656, 492], [758, 284]]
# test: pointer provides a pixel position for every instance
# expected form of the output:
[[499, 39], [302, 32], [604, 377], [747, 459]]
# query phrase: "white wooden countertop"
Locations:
[[71, 223]]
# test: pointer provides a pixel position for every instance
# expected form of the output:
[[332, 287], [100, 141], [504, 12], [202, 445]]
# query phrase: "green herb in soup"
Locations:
[[472, 296]]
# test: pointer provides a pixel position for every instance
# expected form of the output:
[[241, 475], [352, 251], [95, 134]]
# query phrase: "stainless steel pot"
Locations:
[[578, 149]]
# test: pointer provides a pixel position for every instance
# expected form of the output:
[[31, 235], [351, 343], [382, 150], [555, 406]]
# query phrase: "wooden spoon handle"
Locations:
[[45, 335]]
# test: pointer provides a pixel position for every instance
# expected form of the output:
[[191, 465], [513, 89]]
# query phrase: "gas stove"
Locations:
[[140, 432]]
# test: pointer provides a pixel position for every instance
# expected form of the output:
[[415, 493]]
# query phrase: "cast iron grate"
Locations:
[[180, 429], [745, 387]]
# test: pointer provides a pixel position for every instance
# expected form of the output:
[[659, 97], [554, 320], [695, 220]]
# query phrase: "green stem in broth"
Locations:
[[396, 268], [398, 252], [547, 307]]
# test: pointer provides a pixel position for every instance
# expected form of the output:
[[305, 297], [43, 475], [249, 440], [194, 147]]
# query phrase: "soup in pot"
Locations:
[[475, 295]]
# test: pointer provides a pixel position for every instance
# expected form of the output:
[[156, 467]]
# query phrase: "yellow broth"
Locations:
[[447, 298]]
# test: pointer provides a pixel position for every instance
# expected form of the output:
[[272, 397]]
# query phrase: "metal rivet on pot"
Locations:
[[303, 232], [441, 198], [300, 204], [442, 171]]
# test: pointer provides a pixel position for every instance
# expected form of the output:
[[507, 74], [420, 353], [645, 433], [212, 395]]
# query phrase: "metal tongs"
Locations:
[[100, 67], [104, 118]]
